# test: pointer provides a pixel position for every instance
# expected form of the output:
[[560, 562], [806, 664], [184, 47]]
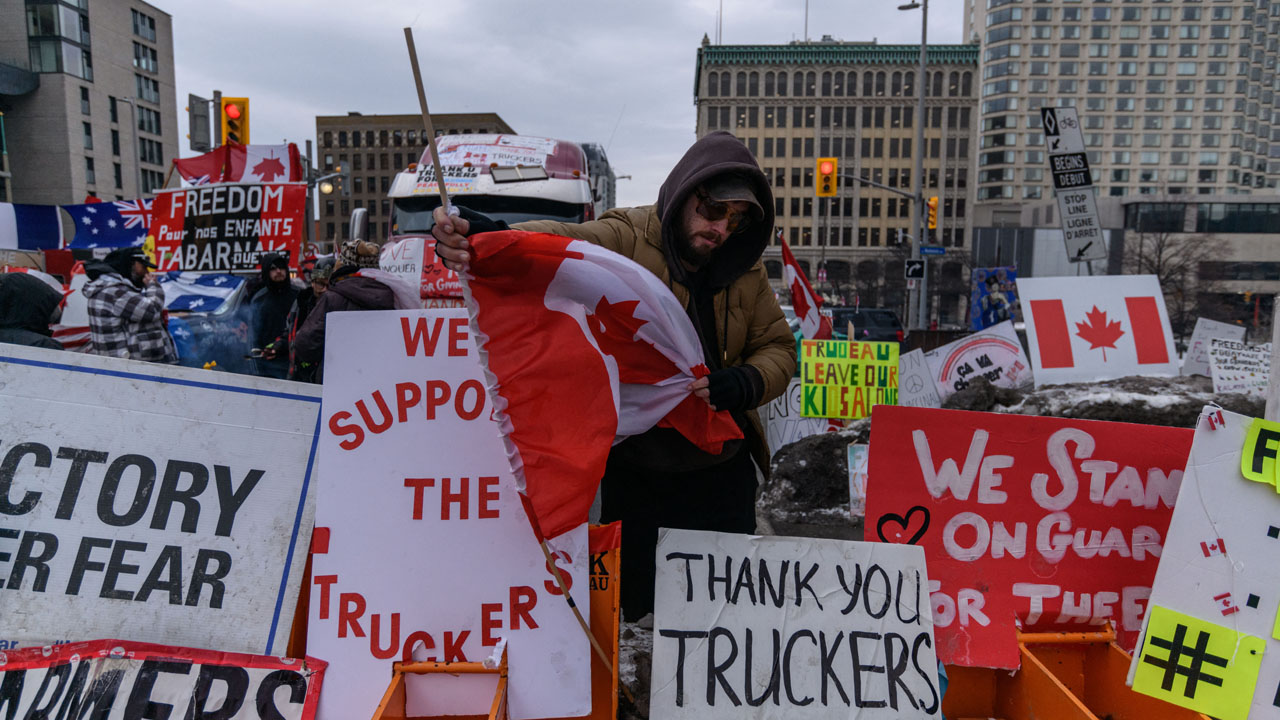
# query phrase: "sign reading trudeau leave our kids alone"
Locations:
[[842, 379]]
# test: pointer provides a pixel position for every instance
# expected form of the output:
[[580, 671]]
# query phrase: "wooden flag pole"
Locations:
[[426, 121], [444, 202], [555, 571]]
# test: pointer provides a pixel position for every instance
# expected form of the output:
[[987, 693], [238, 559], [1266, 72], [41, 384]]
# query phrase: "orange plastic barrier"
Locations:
[[1064, 676], [392, 706]]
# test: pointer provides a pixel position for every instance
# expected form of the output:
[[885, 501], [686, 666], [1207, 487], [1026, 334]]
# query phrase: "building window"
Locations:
[[144, 26], [151, 151], [84, 100], [115, 143], [119, 173], [149, 121], [145, 58], [148, 89], [88, 136], [89, 176]]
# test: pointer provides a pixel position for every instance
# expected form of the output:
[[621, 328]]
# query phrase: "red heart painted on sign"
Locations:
[[898, 528]]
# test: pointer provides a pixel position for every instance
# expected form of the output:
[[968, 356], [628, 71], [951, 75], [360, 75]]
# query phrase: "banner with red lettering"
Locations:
[[422, 547], [125, 679], [227, 227], [1037, 521]]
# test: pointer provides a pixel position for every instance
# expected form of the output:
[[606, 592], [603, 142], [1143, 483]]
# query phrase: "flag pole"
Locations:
[[444, 203], [555, 572]]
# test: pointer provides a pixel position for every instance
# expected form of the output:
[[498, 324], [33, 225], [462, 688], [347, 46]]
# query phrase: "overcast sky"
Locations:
[[616, 72]]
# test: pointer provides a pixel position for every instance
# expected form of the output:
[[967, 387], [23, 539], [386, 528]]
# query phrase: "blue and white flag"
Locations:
[[30, 227], [109, 224], [197, 292]]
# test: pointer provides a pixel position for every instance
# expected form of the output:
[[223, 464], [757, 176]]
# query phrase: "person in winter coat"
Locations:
[[704, 238], [126, 308], [268, 310], [347, 291], [28, 306], [302, 306]]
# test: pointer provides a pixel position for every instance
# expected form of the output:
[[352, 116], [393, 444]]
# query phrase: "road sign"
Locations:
[[914, 269], [1073, 185], [932, 250]]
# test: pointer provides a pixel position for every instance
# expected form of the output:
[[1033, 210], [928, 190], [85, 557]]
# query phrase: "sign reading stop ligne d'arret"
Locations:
[[842, 379]]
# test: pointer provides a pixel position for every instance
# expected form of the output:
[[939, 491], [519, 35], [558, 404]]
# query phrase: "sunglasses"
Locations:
[[714, 211]]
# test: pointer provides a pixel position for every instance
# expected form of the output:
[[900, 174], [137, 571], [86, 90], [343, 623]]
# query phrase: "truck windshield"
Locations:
[[413, 214]]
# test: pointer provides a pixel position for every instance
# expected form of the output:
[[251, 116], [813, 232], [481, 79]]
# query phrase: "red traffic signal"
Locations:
[[826, 167]]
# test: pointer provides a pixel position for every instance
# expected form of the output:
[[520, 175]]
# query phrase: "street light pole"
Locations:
[[137, 148], [920, 295]]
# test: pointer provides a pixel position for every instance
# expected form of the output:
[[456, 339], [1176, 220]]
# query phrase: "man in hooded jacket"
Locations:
[[269, 309], [27, 307], [126, 308], [703, 238]]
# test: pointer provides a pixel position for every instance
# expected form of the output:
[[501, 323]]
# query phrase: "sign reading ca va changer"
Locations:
[[151, 503]]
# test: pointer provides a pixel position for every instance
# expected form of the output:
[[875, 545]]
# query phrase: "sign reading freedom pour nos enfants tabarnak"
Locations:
[[842, 379]]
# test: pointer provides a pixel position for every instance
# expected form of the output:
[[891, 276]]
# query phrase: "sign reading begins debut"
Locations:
[[226, 227], [842, 379]]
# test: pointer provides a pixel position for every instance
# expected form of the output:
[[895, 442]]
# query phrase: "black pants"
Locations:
[[720, 498]]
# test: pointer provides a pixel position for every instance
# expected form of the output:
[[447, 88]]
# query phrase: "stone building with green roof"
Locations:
[[854, 101]]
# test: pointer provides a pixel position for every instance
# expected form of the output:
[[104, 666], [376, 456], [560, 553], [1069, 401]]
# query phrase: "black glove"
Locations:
[[736, 388], [480, 223]]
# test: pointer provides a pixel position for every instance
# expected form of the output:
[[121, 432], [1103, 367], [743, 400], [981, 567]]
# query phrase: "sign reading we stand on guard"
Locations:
[[422, 548], [151, 503]]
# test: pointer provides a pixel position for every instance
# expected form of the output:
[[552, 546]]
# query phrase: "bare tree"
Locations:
[[1174, 258]]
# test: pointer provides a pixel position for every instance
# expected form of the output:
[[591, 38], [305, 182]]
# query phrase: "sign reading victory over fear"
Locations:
[[775, 627], [422, 549], [226, 227], [149, 502], [1044, 520]]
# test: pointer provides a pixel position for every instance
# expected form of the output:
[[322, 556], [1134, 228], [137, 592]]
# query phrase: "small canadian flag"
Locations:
[[1093, 328]]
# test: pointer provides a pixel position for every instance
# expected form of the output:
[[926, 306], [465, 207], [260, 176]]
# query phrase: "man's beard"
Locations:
[[691, 256]]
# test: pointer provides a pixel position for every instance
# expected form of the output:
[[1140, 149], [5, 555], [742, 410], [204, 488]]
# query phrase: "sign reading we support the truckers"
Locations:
[[149, 502], [776, 627], [1211, 641], [844, 379], [423, 550], [1073, 185]]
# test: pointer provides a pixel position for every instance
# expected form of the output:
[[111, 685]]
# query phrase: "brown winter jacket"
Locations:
[[750, 327], [346, 292]]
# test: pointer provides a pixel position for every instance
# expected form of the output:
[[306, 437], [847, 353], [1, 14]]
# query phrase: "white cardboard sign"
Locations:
[[1082, 329], [422, 541], [155, 503], [775, 627], [1239, 368], [783, 423], [1197, 360], [1218, 562], [994, 353], [916, 387], [403, 258]]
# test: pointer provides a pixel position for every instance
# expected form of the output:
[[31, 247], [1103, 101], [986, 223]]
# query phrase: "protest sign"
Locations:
[[1046, 520], [775, 627], [227, 227], [403, 258], [1196, 361], [842, 379], [783, 423], [1082, 329], [422, 541], [125, 679], [916, 387], [994, 297], [1213, 608], [995, 354], [151, 502], [1239, 368]]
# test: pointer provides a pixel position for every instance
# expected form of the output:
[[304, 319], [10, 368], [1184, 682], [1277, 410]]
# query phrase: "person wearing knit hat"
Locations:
[[359, 253]]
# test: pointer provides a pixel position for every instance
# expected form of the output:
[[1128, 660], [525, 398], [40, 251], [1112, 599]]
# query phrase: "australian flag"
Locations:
[[110, 224]]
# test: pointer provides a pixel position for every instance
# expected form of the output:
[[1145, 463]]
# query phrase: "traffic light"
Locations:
[[933, 213], [826, 180], [235, 120]]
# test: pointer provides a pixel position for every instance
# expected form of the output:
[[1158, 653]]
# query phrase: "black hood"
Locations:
[[267, 261], [714, 154], [26, 302]]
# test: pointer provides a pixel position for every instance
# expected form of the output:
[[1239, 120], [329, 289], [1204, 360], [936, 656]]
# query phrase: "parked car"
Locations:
[[869, 324]]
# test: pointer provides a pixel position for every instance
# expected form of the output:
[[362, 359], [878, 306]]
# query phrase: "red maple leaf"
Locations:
[[614, 326], [269, 169], [1098, 332]]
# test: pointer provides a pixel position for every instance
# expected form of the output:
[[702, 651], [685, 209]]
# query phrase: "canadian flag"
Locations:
[[1095, 328], [581, 348], [244, 164], [804, 300]]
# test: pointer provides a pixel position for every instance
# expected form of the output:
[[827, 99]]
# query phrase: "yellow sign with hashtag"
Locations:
[[1198, 665]]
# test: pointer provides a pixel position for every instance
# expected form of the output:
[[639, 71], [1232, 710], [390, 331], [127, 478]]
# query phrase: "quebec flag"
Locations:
[[197, 292]]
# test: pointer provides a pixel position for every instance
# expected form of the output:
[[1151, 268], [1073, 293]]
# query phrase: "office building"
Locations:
[[87, 93], [1174, 98], [854, 101], [378, 147]]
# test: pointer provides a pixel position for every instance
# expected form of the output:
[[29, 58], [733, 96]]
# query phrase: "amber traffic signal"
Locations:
[[235, 120], [933, 213], [826, 177]]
